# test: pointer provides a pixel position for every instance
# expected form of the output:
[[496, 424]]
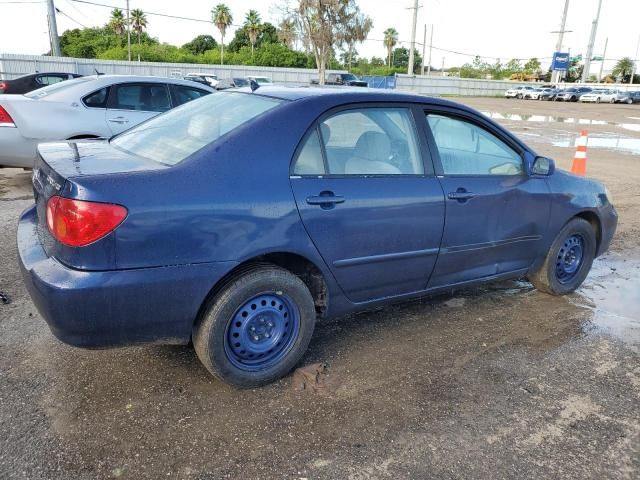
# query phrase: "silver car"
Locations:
[[600, 95], [98, 106]]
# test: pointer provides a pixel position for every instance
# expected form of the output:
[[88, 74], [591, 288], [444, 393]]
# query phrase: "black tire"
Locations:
[[211, 331], [545, 278]]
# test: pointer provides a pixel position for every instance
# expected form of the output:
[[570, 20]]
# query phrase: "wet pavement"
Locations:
[[499, 381]]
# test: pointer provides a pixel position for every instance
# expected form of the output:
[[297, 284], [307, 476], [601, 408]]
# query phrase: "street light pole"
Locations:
[[424, 42], [413, 37], [430, 49], [604, 55], [128, 34], [556, 73], [635, 59], [592, 39], [54, 40]]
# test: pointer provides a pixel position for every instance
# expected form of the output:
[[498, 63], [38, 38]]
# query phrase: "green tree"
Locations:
[[622, 69], [356, 31], [200, 44], [390, 41], [222, 19], [117, 22], [401, 58], [287, 32], [253, 26], [532, 66], [267, 34], [138, 22]]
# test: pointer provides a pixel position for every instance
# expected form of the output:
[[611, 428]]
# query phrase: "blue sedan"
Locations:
[[238, 219]]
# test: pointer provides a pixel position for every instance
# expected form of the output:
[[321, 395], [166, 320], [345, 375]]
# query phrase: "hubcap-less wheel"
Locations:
[[262, 331], [569, 258]]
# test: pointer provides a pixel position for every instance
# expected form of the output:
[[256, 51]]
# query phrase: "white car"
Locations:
[[88, 107], [537, 93], [517, 92], [598, 96]]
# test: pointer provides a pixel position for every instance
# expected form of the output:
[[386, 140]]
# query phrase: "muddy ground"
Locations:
[[494, 382]]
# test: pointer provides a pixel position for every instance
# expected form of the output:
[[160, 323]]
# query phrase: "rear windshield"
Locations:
[[57, 87], [173, 136]]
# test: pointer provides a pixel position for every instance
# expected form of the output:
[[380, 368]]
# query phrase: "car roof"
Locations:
[[341, 95]]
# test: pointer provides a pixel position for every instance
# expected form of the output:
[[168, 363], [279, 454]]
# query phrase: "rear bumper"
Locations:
[[113, 308], [15, 150]]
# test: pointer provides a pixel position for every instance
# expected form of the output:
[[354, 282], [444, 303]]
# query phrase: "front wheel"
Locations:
[[569, 259], [256, 329]]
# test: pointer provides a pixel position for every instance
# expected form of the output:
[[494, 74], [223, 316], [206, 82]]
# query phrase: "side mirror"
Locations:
[[543, 166]]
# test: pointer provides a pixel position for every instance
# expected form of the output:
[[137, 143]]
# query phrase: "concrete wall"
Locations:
[[439, 86], [12, 66]]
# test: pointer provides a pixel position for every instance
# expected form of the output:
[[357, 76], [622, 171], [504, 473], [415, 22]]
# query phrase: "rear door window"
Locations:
[[50, 79], [183, 94], [145, 97]]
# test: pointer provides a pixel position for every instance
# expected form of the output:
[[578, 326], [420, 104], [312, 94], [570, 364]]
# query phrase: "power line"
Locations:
[[70, 18]]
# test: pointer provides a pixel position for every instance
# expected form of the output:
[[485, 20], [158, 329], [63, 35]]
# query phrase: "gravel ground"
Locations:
[[494, 382]]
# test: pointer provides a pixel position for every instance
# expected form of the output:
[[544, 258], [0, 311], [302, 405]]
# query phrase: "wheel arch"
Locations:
[[295, 263], [86, 136], [596, 224]]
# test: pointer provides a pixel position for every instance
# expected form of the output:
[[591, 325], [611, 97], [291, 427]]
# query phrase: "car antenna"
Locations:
[[254, 85], [97, 72]]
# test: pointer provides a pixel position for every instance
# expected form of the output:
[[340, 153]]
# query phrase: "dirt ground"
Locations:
[[494, 382]]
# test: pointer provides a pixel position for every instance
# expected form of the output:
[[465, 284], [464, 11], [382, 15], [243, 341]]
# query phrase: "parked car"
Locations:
[[549, 94], [517, 92], [572, 94], [538, 93], [347, 79], [28, 83], [260, 80], [208, 79], [225, 222], [600, 95], [235, 82], [627, 97], [87, 107]]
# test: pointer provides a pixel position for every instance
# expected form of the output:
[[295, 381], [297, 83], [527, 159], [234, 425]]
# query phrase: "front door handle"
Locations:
[[119, 120], [326, 199], [461, 195]]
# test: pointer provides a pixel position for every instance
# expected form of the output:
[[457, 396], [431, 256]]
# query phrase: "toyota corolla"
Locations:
[[238, 219]]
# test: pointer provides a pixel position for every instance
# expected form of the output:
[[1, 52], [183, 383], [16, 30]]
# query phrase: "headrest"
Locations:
[[373, 146]]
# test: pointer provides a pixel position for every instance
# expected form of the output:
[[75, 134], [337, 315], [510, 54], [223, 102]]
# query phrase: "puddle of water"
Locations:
[[631, 145], [634, 127], [612, 292]]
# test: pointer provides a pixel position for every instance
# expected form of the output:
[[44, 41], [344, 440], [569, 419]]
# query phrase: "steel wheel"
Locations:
[[262, 331], [569, 258]]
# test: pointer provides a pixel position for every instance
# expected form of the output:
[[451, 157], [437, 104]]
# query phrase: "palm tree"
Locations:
[[390, 41], [356, 31], [138, 22], [117, 22], [253, 27], [287, 32], [623, 69], [222, 19]]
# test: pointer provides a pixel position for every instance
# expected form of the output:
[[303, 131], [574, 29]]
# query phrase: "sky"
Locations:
[[493, 29]]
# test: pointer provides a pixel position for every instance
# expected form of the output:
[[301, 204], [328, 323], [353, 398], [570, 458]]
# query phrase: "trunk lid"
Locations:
[[56, 167]]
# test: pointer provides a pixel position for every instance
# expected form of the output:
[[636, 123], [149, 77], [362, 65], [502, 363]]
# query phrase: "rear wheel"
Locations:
[[629, 101], [256, 328], [612, 100], [569, 259], [598, 100]]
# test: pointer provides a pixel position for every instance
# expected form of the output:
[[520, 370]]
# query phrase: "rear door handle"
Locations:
[[325, 199], [119, 120], [460, 195]]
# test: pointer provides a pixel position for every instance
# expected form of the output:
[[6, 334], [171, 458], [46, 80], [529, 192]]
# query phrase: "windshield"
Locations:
[[57, 87], [349, 76], [173, 136]]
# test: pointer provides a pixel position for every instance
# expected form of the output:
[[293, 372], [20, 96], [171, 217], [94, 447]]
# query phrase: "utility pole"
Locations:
[[635, 59], [561, 32], [430, 49], [128, 34], [54, 40], [604, 55], [424, 44], [413, 37], [592, 39], [442, 66]]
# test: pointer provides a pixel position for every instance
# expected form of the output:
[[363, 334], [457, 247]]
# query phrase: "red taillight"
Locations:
[[5, 118], [3, 87], [78, 223]]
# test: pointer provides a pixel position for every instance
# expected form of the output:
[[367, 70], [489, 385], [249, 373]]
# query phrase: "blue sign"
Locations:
[[560, 61]]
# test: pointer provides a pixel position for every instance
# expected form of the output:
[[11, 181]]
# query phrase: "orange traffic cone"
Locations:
[[579, 165]]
